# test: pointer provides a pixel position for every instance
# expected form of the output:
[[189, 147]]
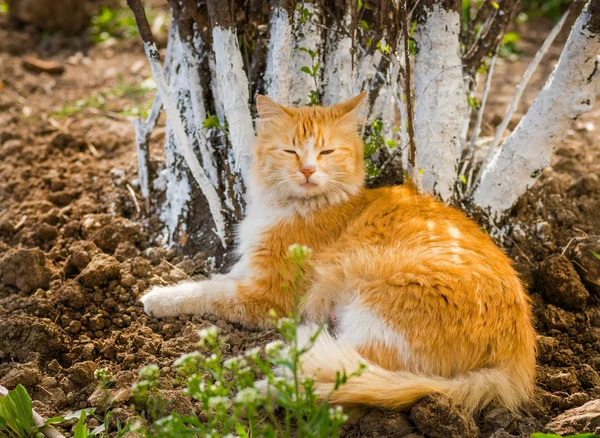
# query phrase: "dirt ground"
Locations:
[[76, 254]]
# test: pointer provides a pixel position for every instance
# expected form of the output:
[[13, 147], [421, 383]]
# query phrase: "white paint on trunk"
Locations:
[[339, 74], [179, 134], [234, 95], [307, 34], [441, 100], [278, 78], [569, 92], [531, 68], [194, 56]]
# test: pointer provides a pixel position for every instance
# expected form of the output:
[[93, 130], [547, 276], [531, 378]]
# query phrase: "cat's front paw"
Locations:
[[169, 301]]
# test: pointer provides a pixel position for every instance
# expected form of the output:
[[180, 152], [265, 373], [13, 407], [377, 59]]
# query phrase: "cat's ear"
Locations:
[[268, 109], [349, 111]]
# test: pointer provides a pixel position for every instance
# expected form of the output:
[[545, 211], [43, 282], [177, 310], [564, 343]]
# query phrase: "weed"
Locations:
[[116, 23], [236, 402]]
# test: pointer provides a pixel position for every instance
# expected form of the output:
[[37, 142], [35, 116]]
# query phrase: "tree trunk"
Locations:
[[569, 92], [324, 51]]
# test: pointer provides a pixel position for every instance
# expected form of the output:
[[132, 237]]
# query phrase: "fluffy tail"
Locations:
[[399, 390]]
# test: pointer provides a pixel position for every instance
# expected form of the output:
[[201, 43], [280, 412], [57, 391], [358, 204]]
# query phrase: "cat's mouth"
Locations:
[[309, 185]]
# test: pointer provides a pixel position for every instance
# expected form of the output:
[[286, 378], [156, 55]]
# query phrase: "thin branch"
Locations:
[[484, 96], [531, 68], [410, 106], [491, 32]]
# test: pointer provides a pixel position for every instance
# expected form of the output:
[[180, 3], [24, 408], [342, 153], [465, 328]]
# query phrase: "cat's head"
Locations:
[[309, 154]]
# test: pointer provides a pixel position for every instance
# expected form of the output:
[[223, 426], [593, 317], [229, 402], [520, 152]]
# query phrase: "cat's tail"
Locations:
[[399, 390]]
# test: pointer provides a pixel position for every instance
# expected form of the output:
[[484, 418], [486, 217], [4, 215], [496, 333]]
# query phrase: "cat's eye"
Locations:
[[289, 151], [326, 152]]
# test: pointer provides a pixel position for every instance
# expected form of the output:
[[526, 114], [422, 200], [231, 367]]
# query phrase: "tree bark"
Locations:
[[441, 97]]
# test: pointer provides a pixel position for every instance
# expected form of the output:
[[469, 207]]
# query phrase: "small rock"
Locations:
[[437, 417], [125, 251], [585, 418], [27, 375], [588, 377], [40, 66], [385, 424], [563, 381], [141, 267], [107, 239], [586, 185], [501, 418], [97, 322], [547, 345], [45, 232], [574, 400], [586, 263], [72, 294], [556, 318], [102, 269], [82, 252], [21, 335], [560, 284], [27, 269], [82, 373]]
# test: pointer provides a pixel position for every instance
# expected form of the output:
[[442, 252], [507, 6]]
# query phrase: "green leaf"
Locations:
[[80, 430], [77, 414], [315, 69], [364, 25], [3, 8], [391, 144], [595, 254], [54, 420], [306, 70], [511, 37], [16, 413]]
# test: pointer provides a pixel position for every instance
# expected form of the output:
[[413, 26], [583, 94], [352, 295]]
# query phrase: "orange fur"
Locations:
[[415, 287]]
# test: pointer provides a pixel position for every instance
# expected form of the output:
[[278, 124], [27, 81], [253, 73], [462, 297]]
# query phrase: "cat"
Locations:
[[416, 289]]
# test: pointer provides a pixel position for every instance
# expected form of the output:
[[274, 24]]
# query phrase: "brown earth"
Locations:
[[75, 253]]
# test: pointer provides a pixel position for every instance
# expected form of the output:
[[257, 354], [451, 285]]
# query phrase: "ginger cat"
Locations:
[[415, 288]]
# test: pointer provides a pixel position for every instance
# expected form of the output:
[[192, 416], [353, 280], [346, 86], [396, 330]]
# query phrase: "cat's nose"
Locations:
[[308, 171]]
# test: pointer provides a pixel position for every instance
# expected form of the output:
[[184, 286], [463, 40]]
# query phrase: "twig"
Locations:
[[484, 96], [38, 420], [531, 68], [135, 201], [181, 271], [410, 105]]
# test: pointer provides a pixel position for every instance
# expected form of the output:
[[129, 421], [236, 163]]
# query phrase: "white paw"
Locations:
[[171, 300]]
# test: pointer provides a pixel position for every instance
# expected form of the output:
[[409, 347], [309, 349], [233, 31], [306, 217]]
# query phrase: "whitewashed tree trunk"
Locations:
[[206, 72], [441, 98], [278, 75], [339, 72], [570, 92]]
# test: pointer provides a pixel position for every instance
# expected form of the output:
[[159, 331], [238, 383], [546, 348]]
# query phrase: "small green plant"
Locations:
[[112, 23], [235, 400], [212, 121], [373, 142], [16, 415], [508, 47], [596, 254], [303, 13], [313, 72], [138, 94]]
